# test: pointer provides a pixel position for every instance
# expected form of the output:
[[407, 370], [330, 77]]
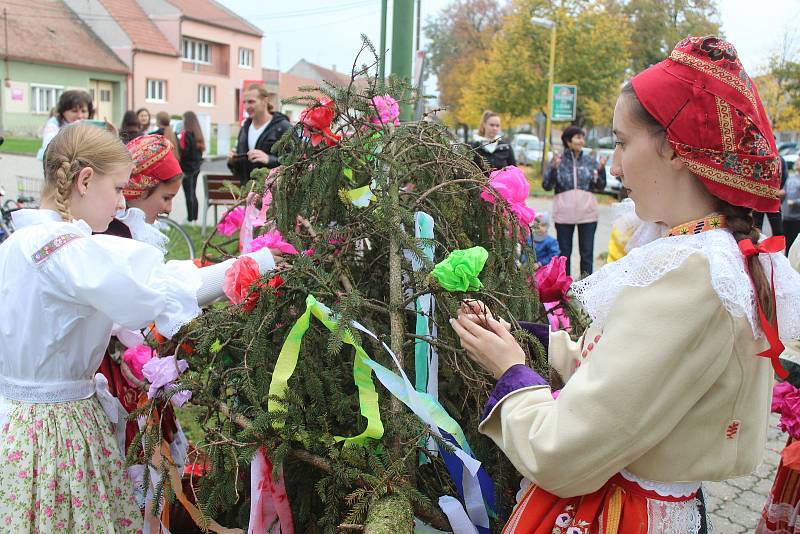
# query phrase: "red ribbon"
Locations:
[[772, 245]]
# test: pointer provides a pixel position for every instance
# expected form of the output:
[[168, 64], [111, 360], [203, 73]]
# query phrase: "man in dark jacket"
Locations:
[[258, 135]]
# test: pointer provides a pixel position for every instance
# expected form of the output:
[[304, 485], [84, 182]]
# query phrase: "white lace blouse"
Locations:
[[63, 289]]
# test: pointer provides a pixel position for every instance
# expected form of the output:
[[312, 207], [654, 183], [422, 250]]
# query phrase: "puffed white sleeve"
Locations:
[[126, 280]]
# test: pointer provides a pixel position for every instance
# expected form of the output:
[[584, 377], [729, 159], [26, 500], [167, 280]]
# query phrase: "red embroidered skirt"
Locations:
[[621, 506], [780, 515]]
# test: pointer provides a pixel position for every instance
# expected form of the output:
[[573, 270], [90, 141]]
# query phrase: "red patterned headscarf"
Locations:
[[153, 162], [715, 121]]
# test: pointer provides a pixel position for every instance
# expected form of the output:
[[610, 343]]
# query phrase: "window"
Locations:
[[205, 95], [105, 95], [196, 51], [246, 57], [156, 91], [44, 97]]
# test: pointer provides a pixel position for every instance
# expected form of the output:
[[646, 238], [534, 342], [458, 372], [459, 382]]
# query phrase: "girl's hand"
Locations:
[[494, 349]]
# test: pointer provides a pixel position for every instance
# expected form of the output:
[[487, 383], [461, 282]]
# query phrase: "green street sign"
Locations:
[[564, 100]]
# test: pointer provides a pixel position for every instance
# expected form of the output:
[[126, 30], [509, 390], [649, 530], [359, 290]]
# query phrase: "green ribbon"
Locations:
[[460, 270], [362, 373]]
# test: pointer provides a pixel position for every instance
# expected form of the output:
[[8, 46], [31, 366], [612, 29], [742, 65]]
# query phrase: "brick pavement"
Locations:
[[735, 505]]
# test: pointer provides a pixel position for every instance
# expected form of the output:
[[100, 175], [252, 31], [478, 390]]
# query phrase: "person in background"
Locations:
[[143, 115], [192, 144], [491, 150], [546, 245], [130, 128], [73, 105], [259, 133], [790, 209], [164, 127], [575, 175]]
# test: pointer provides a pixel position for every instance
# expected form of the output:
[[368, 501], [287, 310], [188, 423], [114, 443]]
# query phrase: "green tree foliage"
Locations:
[[658, 25], [359, 270], [592, 44], [460, 37]]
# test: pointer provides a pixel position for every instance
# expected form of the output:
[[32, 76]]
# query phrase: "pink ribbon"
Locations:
[[269, 503]]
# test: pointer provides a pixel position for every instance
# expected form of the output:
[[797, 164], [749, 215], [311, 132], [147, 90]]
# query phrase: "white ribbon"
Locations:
[[459, 521], [113, 408]]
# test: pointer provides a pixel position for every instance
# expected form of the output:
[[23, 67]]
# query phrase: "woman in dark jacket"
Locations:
[[491, 151], [258, 135], [192, 145], [575, 175]]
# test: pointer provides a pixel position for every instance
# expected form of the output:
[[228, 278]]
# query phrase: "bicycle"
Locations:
[[8, 207], [179, 246]]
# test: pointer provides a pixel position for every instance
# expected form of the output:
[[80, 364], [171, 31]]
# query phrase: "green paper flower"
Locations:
[[460, 270]]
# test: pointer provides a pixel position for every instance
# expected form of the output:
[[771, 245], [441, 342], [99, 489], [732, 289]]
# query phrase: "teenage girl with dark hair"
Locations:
[[192, 145], [73, 105]]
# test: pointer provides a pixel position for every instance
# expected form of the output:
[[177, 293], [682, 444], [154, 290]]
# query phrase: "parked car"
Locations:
[[528, 149], [613, 185], [791, 158], [787, 148]]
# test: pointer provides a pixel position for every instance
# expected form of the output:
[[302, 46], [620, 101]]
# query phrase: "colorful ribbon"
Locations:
[[773, 245], [473, 482], [287, 362], [269, 503]]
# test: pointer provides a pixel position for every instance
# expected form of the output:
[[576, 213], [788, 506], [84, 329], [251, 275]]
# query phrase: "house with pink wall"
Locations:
[[182, 54]]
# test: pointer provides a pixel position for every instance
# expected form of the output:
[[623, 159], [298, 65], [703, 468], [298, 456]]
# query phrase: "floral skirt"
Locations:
[[781, 514], [621, 506], [61, 471]]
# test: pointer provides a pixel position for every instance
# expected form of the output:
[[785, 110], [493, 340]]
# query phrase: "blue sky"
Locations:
[[327, 32]]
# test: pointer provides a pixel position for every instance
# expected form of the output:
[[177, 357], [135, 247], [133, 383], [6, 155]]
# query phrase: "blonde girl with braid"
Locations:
[[61, 431]]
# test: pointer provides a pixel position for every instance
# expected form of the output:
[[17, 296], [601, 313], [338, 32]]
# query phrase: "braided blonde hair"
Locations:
[[74, 148]]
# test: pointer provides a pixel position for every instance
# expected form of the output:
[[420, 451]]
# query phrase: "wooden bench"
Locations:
[[216, 195]]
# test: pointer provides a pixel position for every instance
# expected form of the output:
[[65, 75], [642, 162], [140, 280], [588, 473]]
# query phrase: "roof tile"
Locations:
[[215, 14], [46, 31], [142, 31]]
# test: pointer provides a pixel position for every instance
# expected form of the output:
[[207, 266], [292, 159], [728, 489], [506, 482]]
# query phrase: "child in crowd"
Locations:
[[546, 245], [63, 469], [677, 365]]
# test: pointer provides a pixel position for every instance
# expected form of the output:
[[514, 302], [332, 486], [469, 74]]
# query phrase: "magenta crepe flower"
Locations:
[[272, 240], [388, 110], [232, 222], [511, 184], [135, 358], [552, 281]]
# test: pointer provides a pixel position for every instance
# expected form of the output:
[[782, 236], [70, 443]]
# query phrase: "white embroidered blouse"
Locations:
[[64, 288]]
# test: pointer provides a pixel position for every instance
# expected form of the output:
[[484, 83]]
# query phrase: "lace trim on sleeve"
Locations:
[[648, 263]]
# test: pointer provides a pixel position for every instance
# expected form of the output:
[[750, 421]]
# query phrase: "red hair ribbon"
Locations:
[[768, 246]]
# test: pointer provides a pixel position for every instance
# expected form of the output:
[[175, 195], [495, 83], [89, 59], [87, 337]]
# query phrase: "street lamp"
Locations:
[[547, 23]]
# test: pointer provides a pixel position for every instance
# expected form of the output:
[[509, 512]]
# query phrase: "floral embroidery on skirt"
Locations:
[[61, 471]]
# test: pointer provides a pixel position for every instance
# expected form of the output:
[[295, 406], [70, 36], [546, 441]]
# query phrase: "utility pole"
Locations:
[[382, 51], [402, 36], [419, 9]]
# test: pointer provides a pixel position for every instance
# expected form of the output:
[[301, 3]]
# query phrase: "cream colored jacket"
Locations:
[[669, 386]]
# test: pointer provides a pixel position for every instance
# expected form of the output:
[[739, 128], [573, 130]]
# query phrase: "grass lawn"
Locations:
[[212, 149], [21, 145]]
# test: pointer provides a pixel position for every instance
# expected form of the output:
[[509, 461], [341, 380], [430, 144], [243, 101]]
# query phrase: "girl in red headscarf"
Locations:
[[670, 385]]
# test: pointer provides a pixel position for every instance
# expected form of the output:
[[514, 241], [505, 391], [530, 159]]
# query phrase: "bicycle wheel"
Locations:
[[6, 226], [179, 246]]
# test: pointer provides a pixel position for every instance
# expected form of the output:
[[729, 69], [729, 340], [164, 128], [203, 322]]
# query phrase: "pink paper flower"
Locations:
[[162, 373], [272, 240], [316, 121], [232, 222], [552, 281], [388, 110], [511, 184], [786, 402], [238, 279], [135, 358], [556, 317]]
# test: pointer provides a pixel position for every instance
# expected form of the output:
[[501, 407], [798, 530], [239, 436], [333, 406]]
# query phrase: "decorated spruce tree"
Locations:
[[334, 394]]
